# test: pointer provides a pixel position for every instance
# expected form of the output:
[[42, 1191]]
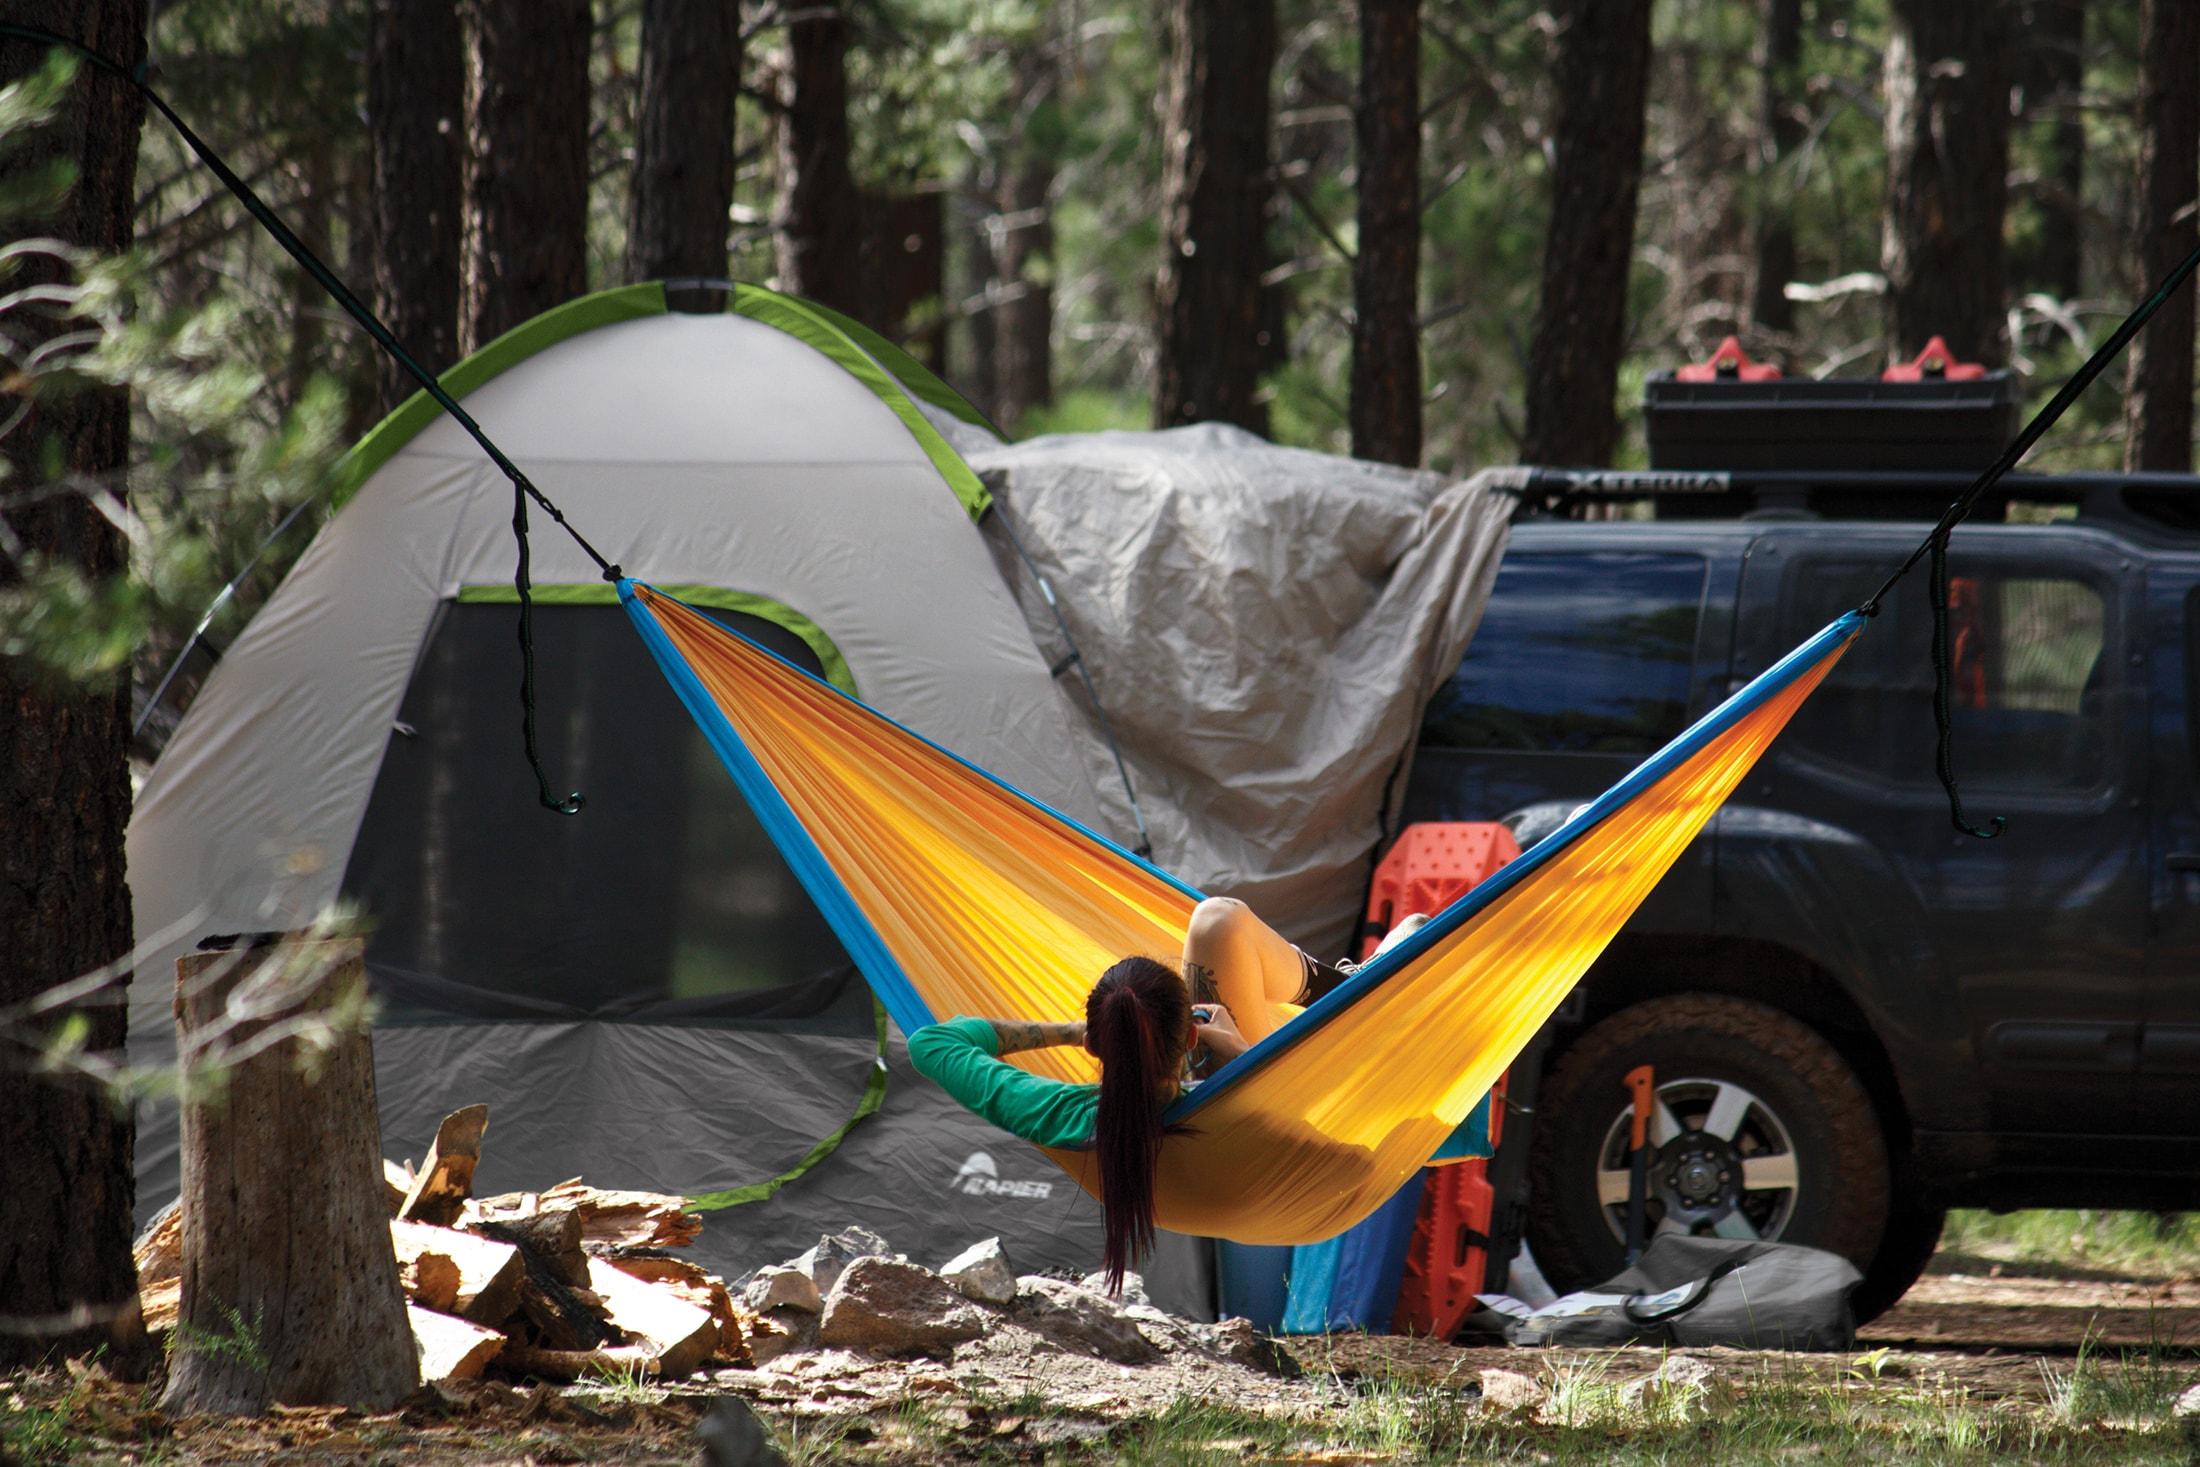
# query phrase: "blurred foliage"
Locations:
[[222, 448]]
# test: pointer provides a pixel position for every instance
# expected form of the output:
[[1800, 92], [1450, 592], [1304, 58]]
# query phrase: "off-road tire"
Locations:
[[1912, 1236], [1843, 1193]]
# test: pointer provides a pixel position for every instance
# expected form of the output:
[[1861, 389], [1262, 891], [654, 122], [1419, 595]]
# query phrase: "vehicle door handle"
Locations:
[[2184, 861]]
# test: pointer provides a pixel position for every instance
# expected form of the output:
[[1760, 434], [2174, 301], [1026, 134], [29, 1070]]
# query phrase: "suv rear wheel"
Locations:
[[1762, 1131]]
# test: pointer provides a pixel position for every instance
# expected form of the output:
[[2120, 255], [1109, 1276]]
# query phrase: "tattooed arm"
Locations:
[[1020, 1034]]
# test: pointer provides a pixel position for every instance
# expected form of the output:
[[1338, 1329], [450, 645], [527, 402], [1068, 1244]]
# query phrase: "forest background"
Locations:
[[1450, 234]]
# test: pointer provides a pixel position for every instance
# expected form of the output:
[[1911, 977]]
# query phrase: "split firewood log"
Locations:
[[451, 1348], [608, 1219], [490, 1273], [697, 1286], [678, 1335], [159, 1249], [398, 1177], [446, 1177], [553, 1237]]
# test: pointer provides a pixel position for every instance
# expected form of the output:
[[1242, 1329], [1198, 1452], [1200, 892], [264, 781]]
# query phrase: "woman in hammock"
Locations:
[[1141, 1023]]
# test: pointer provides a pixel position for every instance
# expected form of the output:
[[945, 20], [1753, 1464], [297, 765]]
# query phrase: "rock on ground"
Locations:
[[894, 1307], [981, 1272], [1076, 1318]]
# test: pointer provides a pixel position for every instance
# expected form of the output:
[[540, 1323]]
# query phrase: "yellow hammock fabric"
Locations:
[[956, 894]]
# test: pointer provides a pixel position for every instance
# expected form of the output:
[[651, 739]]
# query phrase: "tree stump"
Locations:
[[290, 1286]]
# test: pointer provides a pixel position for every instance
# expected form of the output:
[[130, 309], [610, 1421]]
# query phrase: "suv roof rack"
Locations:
[[2139, 501]]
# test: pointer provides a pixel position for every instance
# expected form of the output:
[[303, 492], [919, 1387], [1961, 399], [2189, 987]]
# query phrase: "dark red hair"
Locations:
[[1136, 1023]]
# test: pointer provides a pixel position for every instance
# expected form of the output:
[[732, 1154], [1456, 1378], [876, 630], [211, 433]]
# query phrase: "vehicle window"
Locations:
[[1581, 652], [2029, 686]]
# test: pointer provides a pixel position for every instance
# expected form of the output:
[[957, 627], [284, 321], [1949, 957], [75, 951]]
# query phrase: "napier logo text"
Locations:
[[981, 1178]]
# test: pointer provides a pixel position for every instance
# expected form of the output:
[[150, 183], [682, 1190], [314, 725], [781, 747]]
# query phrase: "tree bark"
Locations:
[[1386, 270], [1947, 84], [2052, 72], [820, 213], [1215, 195], [1780, 132], [1023, 246], [526, 176], [1602, 73], [67, 1283], [290, 1288], [978, 284], [416, 124], [682, 198], [2158, 406]]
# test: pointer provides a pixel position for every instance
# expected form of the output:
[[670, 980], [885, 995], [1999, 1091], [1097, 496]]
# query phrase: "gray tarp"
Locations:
[[1263, 626]]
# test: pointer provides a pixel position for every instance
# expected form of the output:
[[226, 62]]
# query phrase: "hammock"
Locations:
[[957, 894]]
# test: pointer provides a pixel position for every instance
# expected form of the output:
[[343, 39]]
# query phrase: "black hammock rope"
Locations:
[[1934, 545]]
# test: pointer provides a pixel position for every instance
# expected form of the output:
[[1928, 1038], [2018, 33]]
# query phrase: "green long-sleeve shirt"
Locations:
[[962, 1057]]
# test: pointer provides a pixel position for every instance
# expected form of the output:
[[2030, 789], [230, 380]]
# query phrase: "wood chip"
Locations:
[[451, 1348]]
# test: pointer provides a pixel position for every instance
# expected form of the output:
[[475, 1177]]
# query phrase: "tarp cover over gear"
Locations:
[[642, 993], [1263, 626]]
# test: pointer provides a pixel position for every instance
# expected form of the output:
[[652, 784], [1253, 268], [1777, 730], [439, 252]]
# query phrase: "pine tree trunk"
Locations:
[[526, 176], [1215, 195], [1023, 248], [978, 284], [1386, 271], [1602, 72], [682, 199], [1947, 84], [67, 1283], [2053, 71], [290, 1291], [1780, 133], [416, 125], [820, 213], [2158, 408]]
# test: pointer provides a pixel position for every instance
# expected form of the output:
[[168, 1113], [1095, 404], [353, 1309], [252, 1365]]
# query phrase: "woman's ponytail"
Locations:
[[1135, 1023]]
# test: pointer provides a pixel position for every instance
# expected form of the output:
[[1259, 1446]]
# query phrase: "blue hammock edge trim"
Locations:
[[1684, 745], [880, 969], [865, 946], [1071, 821]]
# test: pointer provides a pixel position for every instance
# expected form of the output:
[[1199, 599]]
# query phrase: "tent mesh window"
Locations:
[[662, 900]]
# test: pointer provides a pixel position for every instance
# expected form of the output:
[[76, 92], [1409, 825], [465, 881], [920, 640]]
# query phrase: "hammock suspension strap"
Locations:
[[1935, 544]]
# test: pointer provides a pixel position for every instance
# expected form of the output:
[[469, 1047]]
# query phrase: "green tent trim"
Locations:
[[604, 308], [710, 598], [814, 326]]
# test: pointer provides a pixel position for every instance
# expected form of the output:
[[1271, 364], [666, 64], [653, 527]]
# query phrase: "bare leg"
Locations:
[[1250, 966]]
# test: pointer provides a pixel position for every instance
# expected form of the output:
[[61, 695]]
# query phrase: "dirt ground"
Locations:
[[1993, 1340], [1966, 1303]]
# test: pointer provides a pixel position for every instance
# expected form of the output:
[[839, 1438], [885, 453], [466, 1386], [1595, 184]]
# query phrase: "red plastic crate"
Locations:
[[1431, 866]]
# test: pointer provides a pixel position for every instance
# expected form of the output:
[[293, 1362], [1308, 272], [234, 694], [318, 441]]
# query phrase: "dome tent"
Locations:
[[642, 994]]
